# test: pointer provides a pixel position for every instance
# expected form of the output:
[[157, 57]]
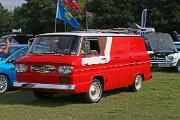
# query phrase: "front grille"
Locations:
[[43, 68]]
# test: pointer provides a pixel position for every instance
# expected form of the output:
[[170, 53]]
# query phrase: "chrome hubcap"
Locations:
[[95, 91], [3, 84], [138, 82]]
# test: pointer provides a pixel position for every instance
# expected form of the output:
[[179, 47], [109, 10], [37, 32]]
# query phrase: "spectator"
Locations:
[[5, 51]]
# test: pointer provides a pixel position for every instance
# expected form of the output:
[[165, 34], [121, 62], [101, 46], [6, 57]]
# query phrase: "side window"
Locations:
[[90, 46], [19, 54]]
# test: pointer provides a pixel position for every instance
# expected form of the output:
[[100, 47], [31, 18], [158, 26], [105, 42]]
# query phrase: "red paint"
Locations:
[[73, 5]]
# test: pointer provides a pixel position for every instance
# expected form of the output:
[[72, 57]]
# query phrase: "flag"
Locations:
[[89, 14], [63, 14], [143, 18], [73, 5]]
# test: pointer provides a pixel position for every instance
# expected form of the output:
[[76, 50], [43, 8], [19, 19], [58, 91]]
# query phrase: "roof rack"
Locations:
[[114, 30], [132, 30]]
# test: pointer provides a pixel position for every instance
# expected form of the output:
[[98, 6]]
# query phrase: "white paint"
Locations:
[[86, 34], [93, 60], [108, 49]]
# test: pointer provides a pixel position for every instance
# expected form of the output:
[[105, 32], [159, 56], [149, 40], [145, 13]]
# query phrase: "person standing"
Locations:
[[6, 50]]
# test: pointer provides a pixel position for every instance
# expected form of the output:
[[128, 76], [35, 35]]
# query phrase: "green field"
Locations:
[[158, 100]]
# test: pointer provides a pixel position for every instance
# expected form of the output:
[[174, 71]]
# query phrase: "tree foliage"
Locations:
[[163, 15], [5, 20], [36, 16]]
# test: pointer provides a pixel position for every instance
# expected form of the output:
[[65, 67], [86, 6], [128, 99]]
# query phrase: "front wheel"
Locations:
[[4, 84], [42, 95], [95, 92], [137, 85]]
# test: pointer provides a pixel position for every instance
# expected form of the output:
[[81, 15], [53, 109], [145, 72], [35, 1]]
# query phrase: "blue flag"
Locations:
[[63, 14]]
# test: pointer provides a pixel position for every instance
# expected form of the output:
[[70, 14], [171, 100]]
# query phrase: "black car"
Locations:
[[161, 45], [17, 38]]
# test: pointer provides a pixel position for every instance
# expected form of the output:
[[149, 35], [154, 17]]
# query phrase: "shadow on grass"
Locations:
[[115, 91], [27, 98]]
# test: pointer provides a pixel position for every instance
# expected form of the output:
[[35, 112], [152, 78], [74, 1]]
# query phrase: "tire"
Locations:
[[178, 68], [95, 92], [42, 95], [4, 84], [137, 85]]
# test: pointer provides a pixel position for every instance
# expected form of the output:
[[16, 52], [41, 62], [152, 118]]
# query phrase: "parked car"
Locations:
[[83, 63], [177, 44], [17, 38], [164, 52], [178, 37], [7, 66]]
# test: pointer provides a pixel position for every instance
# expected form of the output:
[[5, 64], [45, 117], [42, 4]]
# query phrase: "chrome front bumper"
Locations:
[[44, 86], [162, 63]]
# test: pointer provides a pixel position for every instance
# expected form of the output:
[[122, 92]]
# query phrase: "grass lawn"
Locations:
[[158, 100]]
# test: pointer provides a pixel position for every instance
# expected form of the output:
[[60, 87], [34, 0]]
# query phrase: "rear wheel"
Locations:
[[42, 95], [95, 92], [137, 85], [4, 84]]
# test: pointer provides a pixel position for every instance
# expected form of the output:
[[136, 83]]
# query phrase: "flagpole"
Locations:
[[55, 25], [86, 22], [65, 29]]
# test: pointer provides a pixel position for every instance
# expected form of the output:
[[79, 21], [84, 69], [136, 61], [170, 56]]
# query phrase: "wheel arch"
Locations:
[[7, 77], [140, 74], [100, 78]]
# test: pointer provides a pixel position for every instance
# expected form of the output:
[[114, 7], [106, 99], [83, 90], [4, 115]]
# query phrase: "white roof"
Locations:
[[88, 34]]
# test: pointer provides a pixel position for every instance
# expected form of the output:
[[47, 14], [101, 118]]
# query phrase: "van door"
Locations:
[[120, 60], [137, 53]]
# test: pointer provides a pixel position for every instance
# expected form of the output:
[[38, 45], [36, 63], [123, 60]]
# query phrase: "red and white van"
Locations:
[[87, 63]]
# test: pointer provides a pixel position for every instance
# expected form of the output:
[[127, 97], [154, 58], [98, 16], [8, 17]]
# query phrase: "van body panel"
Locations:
[[119, 60]]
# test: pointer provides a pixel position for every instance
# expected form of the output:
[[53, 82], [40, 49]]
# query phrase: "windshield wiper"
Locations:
[[50, 52], [36, 53]]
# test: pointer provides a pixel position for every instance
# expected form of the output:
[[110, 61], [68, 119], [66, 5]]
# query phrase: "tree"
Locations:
[[5, 20], [36, 16], [163, 15]]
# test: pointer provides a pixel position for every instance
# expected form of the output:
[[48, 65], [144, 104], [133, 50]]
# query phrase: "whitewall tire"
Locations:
[[138, 84]]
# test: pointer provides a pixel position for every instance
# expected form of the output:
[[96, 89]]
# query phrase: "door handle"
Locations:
[[136, 62]]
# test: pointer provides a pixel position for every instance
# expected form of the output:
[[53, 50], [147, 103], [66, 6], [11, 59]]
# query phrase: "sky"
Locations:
[[11, 4]]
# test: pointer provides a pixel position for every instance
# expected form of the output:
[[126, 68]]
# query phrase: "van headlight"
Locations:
[[170, 58], [65, 69], [21, 68]]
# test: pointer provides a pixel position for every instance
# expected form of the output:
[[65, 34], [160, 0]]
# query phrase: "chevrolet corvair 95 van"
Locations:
[[83, 63]]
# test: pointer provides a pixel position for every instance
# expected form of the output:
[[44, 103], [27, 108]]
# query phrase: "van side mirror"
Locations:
[[30, 41]]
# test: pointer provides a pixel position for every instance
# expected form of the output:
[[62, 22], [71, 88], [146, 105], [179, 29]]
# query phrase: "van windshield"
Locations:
[[65, 45]]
